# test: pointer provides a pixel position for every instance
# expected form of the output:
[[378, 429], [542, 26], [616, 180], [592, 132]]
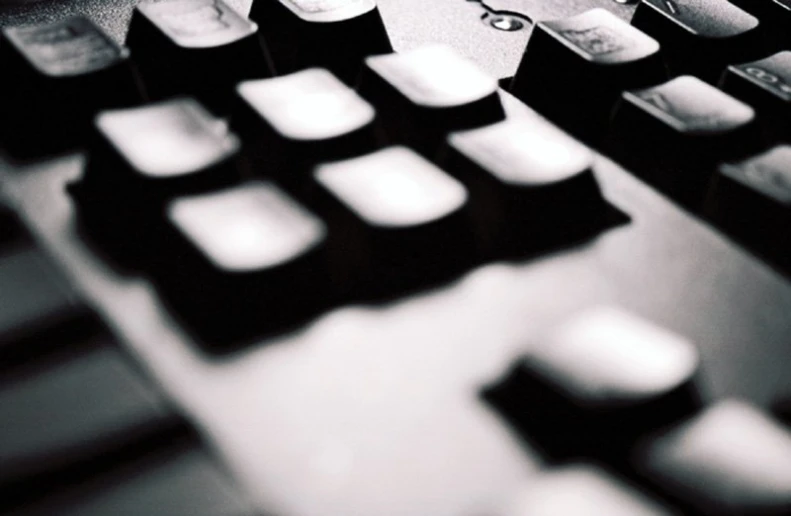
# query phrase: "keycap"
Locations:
[[38, 309], [63, 73], [426, 92], [597, 383], [766, 86], [582, 489], [293, 122], [574, 69], [674, 134], [336, 35], [533, 185], [242, 261], [140, 157], [751, 201], [730, 459], [700, 37], [775, 15], [403, 222], [76, 415], [184, 480], [200, 48]]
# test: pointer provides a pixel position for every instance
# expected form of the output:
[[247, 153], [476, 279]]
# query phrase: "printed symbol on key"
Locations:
[[777, 83], [595, 41]]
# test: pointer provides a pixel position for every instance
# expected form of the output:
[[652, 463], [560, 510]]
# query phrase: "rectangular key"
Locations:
[[76, 416]]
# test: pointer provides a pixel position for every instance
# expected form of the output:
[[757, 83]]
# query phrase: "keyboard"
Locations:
[[551, 279]]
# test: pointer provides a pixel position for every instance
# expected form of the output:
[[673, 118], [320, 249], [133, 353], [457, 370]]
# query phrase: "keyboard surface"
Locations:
[[377, 409]]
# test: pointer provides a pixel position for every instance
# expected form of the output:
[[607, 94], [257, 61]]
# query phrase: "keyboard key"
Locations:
[[424, 93], [295, 121], [63, 73], [775, 16], [533, 185], [582, 490], [336, 35], [74, 416], [729, 460], [700, 37], [672, 135], [38, 309], [765, 85], [200, 48], [242, 261], [597, 383], [751, 200], [403, 222], [184, 481], [574, 69], [143, 156]]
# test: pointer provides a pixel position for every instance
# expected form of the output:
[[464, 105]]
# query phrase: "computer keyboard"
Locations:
[[487, 284]]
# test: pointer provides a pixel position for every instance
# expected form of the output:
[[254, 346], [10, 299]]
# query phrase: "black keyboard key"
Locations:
[[426, 92], [700, 37], [336, 35], [765, 85], [403, 222], [574, 69], [597, 383], [141, 157], [183, 481], [751, 200], [291, 123], [38, 308], [74, 416], [199, 48], [775, 16], [533, 185], [581, 489], [731, 459], [674, 134], [242, 261], [63, 73]]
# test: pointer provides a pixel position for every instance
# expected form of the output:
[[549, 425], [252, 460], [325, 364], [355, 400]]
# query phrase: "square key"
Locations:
[[596, 383], [731, 459]]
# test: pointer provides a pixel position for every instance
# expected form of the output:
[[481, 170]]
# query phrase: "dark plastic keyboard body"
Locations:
[[376, 409]]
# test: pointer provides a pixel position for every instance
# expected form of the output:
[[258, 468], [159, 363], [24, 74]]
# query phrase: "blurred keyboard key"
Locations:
[[597, 383], [63, 73], [582, 490], [336, 35], [196, 47], [428, 91], [182, 481], [765, 85], [731, 459], [242, 261], [700, 37], [574, 69], [38, 308], [405, 217], [291, 123], [74, 416], [532, 185], [142, 156], [751, 201], [672, 135]]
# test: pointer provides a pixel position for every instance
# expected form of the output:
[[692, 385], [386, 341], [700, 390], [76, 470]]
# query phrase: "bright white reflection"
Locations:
[[249, 227], [731, 454], [608, 354], [393, 187]]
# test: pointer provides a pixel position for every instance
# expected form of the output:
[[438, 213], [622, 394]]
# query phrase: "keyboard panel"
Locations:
[[376, 409]]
